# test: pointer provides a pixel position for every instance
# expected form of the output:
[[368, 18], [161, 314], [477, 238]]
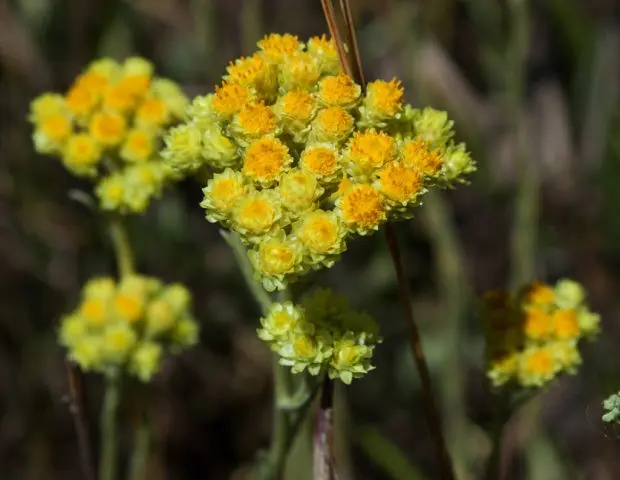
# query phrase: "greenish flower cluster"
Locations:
[[109, 127], [611, 405], [533, 337], [323, 334], [128, 327], [305, 160]]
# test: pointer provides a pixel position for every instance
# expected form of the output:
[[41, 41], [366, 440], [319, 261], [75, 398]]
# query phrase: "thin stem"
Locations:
[[288, 410], [107, 462], [142, 443], [77, 409], [122, 246], [323, 434], [431, 411], [494, 464], [430, 406]]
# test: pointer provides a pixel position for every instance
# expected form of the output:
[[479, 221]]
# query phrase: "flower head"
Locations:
[[222, 193], [362, 209], [81, 154], [265, 160], [256, 214], [367, 152], [339, 91], [332, 125]]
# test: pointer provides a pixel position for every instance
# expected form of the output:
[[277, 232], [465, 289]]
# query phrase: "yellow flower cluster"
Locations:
[[323, 334], [129, 326], [110, 123], [534, 337], [306, 160]]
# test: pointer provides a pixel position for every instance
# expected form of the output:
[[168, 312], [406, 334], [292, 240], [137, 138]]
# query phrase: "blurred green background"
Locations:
[[535, 90]]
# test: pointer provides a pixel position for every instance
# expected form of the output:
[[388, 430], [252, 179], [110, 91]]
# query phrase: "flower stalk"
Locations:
[[109, 433]]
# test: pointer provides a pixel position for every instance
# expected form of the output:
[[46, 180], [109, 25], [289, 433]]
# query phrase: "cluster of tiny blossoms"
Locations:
[[305, 160], [323, 334], [534, 337], [129, 326], [109, 127]]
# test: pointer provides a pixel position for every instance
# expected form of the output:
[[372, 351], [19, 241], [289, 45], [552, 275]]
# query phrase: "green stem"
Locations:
[[107, 462], [142, 443], [288, 408], [494, 464], [122, 246]]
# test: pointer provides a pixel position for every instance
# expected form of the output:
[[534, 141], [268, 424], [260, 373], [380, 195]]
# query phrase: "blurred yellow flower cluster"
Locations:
[[322, 335], [534, 337], [109, 127], [305, 159], [129, 326]]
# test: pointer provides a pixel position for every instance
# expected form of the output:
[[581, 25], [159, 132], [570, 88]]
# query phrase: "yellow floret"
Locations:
[[118, 341], [298, 190], [94, 311], [322, 160], [275, 46], [538, 324], [324, 50], [159, 317], [230, 98], [47, 105], [56, 128], [108, 128], [539, 294], [120, 98], [502, 369], [255, 120], [361, 208], [256, 214], [265, 160], [367, 152], [296, 106], [152, 113], [299, 71], [416, 154], [383, 99], [399, 184], [332, 124], [138, 146], [136, 84], [275, 259], [254, 72], [82, 100], [282, 319], [82, 154], [111, 192], [128, 307], [88, 352], [146, 360], [566, 324], [339, 90], [222, 193], [322, 235], [537, 366]]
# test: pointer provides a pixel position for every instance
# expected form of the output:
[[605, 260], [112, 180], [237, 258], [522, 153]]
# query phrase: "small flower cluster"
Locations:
[[110, 123], [534, 337], [323, 334], [129, 326], [305, 159]]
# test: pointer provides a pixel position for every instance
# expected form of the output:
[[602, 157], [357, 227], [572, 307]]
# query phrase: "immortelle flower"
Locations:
[[309, 156], [128, 327], [114, 115], [533, 337], [321, 335]]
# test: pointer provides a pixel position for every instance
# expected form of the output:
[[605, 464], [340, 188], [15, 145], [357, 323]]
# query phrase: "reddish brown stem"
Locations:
[[76, 407], [430, 406]]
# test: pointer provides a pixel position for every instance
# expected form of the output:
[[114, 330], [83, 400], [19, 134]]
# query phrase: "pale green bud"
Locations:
[[218, 150], [569, 294], [433, 126], [184, 147]]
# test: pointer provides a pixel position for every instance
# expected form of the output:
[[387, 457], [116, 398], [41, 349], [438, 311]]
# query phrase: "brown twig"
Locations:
[[430, 405], [76, 407]]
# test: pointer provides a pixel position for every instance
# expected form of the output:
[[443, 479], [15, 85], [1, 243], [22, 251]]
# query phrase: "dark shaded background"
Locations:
[[212, 406]]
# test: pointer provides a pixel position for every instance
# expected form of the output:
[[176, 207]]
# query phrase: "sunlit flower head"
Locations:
[[322, 235], [222, 193], [265, 160], [399, 184], [566, 324], [255, 120], [537, 366], [82, 154], [339, 91], [254, 72], [256, 214], [367, 152], [383, 100], [107, 128], [299, 71], [275, 259], [416, 154], [362, 209], [324, 50], [299, 190], [275, 46], [332, 124], [230, 98], [321, 160], [138, 146], [152, 113]]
